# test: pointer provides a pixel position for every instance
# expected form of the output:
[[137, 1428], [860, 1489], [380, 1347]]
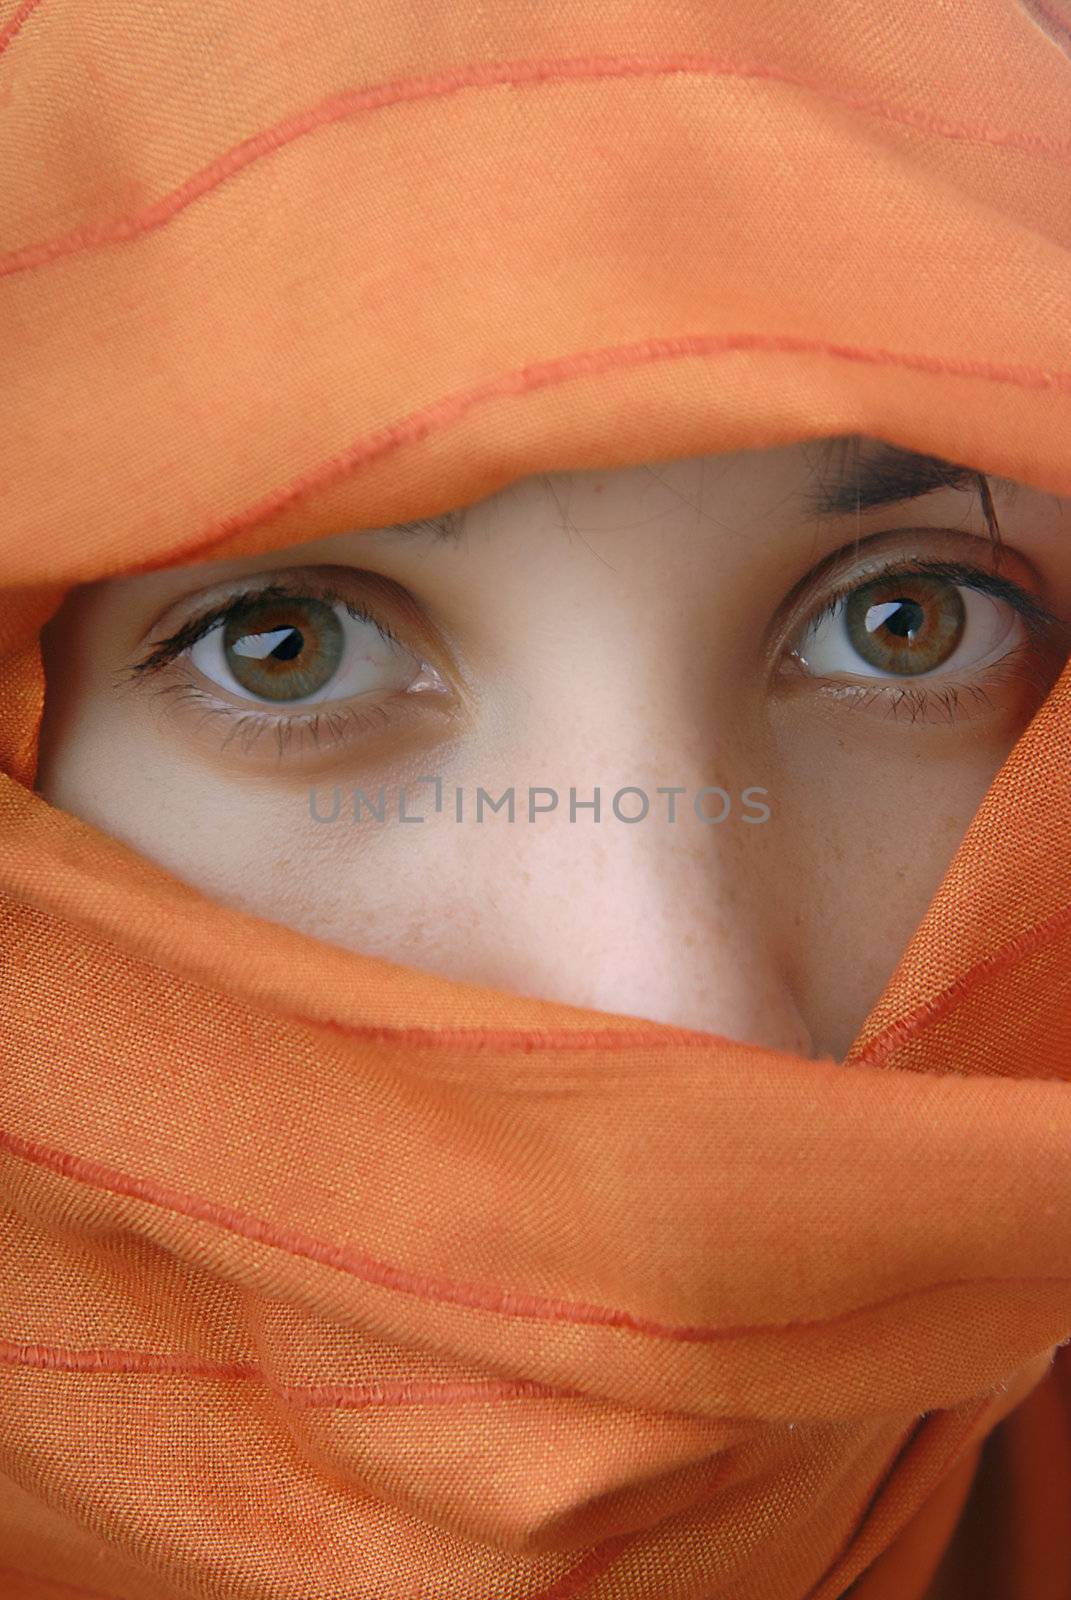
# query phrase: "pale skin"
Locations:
[[639, 627]]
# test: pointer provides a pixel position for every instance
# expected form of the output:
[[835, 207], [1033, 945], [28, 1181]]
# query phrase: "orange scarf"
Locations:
[[319, 1277]]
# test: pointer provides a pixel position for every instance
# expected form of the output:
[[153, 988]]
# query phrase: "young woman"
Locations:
[[730, 717], [535, 888]]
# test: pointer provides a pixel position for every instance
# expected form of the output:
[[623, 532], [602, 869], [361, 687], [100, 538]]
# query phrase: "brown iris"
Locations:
[[905, 622], [283, 649]]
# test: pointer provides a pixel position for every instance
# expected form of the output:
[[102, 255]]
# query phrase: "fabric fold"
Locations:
[[331, 1279]]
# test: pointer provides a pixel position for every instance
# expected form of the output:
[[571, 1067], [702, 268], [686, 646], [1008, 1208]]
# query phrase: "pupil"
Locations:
[[289, 647], [906, 620]]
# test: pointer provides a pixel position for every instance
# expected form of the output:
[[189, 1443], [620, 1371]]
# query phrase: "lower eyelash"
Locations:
[[916, 703], [1025, 664], [249, 726]]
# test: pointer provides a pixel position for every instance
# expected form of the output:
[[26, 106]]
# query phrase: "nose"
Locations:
[[664, 916], [654, 919], [631, 679]]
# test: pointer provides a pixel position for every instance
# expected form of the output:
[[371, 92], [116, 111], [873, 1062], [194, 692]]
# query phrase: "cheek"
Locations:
[[866, 833], [395, 889]]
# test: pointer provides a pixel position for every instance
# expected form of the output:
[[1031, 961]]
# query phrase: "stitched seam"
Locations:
[[906, 1027], [538, 375], [8, 32], [111, 1362], [483, 76], [666, 1036], [590, 1567], [524, 1041], [441, 1290]]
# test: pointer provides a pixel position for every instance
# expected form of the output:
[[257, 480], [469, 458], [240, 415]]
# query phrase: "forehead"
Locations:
[[839, 476]]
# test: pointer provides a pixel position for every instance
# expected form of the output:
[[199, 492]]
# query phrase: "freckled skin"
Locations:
[[625, 648]]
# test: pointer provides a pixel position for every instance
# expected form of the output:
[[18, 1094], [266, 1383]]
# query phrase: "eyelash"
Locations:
[[1032, 612], [916, 701], [166, 650], [913, 700], [923, 700], [247, 727], [184, 638]]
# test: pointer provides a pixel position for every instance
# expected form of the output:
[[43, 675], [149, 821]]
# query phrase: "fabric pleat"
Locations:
[[318, 1276]]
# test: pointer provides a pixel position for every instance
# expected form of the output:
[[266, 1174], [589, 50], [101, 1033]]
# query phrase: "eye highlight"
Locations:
[[927, 637], [905, 624], [298, 650], [297, 658]]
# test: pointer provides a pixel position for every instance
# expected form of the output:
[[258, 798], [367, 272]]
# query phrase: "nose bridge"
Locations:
[[655, 907]]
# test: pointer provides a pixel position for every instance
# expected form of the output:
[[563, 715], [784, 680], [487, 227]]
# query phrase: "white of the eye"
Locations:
[[991, 627], [370, 663]]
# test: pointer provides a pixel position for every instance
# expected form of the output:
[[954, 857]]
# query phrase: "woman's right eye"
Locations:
[[301, 664], [300, 650]]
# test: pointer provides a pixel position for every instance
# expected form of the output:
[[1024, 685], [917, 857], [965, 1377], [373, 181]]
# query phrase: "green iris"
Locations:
[[283, 649], [905, 622]]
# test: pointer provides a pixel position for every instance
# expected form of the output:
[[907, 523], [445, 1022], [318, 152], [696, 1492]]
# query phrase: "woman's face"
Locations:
[[690, 627]]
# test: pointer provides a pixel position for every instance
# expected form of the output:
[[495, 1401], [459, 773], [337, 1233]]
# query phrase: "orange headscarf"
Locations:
[[326, 1279]]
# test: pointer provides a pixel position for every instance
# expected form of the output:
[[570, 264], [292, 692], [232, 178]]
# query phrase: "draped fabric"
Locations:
[[323, 1278]]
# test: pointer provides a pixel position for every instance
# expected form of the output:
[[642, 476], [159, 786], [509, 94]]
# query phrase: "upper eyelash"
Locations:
[[185, 637], [1036, 615]]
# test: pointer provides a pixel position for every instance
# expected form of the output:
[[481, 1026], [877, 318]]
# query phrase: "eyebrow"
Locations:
[[882, 476], [445, 526], [886, 476]]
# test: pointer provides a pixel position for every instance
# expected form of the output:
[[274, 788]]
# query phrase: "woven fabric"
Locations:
[[320, 1278]]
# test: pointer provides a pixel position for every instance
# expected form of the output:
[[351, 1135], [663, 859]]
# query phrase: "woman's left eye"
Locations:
[[299, 650], [907, 624]]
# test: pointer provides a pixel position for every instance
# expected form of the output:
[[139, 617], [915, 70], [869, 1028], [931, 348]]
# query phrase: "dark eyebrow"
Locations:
[[445, 526], [869, 473], [884, 476]]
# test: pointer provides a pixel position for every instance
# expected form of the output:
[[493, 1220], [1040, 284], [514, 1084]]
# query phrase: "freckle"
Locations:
[[599, 487]]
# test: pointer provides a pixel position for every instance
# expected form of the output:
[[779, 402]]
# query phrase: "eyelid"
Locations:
[[196, 627], [956, 572], [367, 595], [880, 554], [312, 737]]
